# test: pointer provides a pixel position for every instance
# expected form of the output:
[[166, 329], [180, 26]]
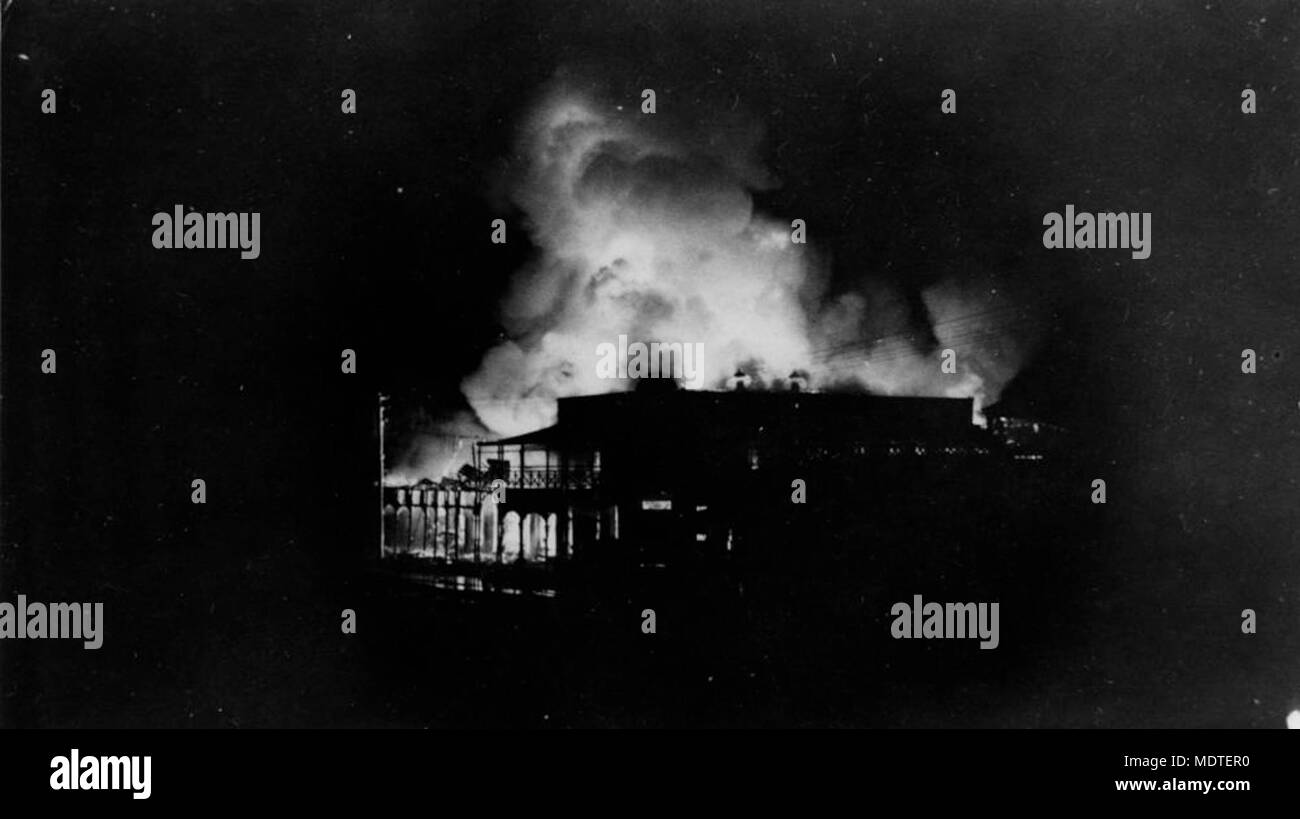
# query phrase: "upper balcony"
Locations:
[[538, 460], [540, 477]]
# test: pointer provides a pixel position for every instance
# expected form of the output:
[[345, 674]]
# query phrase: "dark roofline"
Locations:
[[759, 395], [547, 435], [561, 433]]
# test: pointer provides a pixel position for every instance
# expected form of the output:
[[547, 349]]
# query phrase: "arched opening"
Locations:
[[469, 530], [440, 528], [390, 529], [488, 520], [419, 530], [536, 537], [402, 542], [510, 537]]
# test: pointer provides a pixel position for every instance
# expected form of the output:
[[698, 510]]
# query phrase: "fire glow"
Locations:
[[650, 232]]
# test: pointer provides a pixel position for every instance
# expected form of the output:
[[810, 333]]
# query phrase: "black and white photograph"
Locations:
[[563, 364]]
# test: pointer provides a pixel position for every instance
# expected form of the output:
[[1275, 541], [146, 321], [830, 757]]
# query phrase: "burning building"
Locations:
[[646, 228], [660, 475]]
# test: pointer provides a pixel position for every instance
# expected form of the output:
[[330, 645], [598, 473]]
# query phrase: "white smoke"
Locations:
[[425, 446], [653, 235]]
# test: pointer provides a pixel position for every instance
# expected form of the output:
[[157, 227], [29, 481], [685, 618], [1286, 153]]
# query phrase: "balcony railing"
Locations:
[[543, 478]]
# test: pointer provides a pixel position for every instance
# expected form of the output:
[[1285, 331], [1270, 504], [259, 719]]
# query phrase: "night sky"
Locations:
[[375, 236]]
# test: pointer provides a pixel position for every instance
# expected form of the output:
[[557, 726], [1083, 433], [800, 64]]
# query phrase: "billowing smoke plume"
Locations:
[[422, 446], [650, 231]]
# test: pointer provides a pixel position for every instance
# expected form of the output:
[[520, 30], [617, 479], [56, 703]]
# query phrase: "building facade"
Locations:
[[662, 476]]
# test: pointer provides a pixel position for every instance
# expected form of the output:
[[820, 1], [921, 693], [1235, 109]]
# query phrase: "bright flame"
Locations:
[[654, 236]]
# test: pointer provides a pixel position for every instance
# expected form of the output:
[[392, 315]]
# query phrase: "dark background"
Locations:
[[182, 364]]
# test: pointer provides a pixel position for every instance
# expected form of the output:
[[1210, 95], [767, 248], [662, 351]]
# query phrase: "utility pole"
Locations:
[[383, 406]]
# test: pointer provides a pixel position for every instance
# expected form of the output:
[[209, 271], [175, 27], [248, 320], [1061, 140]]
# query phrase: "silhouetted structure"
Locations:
[[659, 475]]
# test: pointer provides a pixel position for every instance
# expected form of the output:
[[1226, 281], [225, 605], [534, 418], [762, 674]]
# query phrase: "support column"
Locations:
[[501, 534], [424, 534], [448, 533], [481, 525], [565, 535], [410, 520], [433, 526], [456, 538]]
